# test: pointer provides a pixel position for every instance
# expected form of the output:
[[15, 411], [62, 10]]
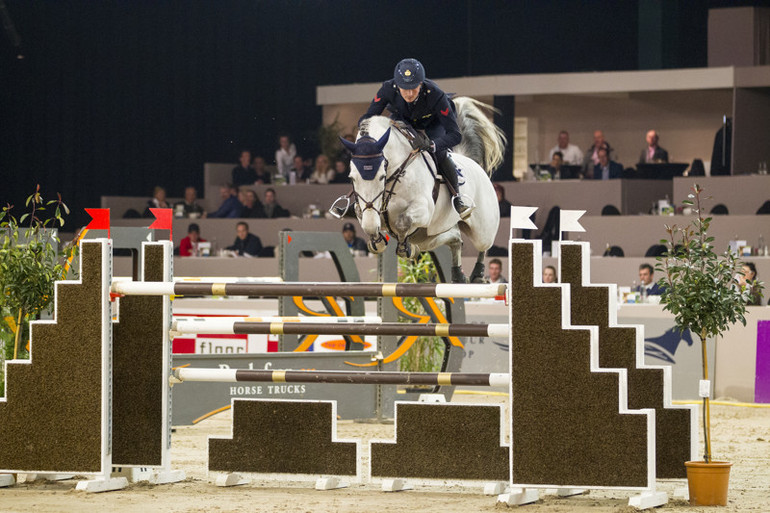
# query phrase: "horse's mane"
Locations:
[[375, 126], [483, 141]]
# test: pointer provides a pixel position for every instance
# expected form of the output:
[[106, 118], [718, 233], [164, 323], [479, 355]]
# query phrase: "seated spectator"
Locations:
[[504, 204], [549, 274], [230, 207], [189, 206], [250, 204], [592, 155], [189, 245], [260, 171], [557, 159], [653, 153], [696, 169], [158, 200], [571, 153], [647, 285], [749, 280], [271, 208], [496, 271], [354, 243], [323, 172], [243, 173], [302, 172], [284, 156], [245, 242], [607, 169], [341, 172]]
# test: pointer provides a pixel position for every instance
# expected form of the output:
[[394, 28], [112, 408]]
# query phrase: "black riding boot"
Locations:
[[449, 172]]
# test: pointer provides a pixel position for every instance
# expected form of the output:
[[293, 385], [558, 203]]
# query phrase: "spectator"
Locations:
[[496, 271], [260, 170], [354, 243], [653, 153], [230, 207], [189, 245], [245, 242], [592, 155], [250, 204], [189, 206], [284, 156], [271, 208], [243, 173], [549, 274], [571, 153], [158, 200], [341, 171], [504, 204], [749, 280], [647, 285], [301, 172], [323, 172], [557, 159], [607, 169]]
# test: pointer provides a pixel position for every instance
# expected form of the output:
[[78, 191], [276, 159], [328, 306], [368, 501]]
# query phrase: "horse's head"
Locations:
[[368, 169]]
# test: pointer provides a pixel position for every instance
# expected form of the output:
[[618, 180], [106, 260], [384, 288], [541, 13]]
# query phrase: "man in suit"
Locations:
[[653, 153], [607, 169], [647, 282]]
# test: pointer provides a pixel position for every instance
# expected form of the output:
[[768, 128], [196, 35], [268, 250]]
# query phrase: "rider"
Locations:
[[419, 102]]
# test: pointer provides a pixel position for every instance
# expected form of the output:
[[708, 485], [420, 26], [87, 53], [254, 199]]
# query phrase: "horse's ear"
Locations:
[[383, 140], [349, 145]]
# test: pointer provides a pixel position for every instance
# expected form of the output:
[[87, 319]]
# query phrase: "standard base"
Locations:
[[48, 477], [330, 483], [569, 492], [167, 477], [6, 480], [682, 494], [395, 485], [102, 485], [519, 496], [431, 398], [494, 488], [231, 480], [648, 500]]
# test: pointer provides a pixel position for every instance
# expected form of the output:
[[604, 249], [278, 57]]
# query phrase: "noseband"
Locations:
[[388, 187]]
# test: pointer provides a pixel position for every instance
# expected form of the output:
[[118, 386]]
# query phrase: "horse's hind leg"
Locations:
[[457, 262], [477, 276]]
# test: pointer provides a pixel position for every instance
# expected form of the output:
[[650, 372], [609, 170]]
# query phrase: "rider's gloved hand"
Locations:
[[422, 142]]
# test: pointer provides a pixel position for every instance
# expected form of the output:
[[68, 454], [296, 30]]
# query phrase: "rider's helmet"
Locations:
[[409, 74]]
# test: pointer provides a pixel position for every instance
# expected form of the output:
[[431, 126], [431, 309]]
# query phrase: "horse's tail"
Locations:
[[483, 141]]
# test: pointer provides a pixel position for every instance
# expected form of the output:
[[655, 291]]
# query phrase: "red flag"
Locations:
[[100, 219], [163, 220]]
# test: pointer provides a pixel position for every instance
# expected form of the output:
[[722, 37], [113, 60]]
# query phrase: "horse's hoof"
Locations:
[[376, 248], [478, 279], [407, 250]]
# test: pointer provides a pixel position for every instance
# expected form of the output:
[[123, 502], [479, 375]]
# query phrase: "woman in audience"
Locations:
[[323, 172], [158, 200], [341, 173], [749, 280]]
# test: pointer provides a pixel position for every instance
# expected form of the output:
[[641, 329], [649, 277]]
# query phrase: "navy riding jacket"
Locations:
[[432, 111]]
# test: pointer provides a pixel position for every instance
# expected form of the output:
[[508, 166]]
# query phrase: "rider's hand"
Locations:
[[422, 142]]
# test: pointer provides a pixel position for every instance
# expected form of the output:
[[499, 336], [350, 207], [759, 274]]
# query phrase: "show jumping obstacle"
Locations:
[[438, 290], [348, 377]]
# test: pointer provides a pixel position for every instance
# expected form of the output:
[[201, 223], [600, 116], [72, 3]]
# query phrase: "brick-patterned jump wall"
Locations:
[[292, 437], [444, 441], [139, 373], [566, 429], [617, 349], [52, 416]]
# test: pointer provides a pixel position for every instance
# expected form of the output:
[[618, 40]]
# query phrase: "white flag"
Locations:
[[520, 219], [568, 220]]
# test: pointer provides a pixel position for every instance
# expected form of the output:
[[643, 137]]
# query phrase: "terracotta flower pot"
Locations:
[[708, 482]]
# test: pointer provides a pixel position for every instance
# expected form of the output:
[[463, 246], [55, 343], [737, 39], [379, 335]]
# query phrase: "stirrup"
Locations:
[[461, 208]]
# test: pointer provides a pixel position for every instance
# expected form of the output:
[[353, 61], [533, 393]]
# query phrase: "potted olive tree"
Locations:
[[30, 262], [700, 289]]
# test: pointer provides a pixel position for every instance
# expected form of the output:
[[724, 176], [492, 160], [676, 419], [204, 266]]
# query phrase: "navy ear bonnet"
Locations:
[[367, 155]]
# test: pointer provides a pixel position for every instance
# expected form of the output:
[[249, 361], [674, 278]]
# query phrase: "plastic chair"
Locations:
[[610, 210], [656, 250], [614, 251], [719, 210]]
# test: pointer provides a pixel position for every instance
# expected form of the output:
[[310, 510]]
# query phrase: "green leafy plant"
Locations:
[[700, 289], [30, 262], [427, 353], [329, 139]]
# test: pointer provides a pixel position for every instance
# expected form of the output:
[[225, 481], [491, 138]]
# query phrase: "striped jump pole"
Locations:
[[439, 290], [346, 377], [209, 325], [224, 325]]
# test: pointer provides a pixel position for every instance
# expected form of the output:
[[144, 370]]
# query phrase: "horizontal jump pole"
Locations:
[[347, 377], [353, 328], [224, 325], [440, 290]]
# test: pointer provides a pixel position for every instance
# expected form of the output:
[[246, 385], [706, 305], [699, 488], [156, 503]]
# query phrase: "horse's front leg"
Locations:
[[406, 249], [378, 243]]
